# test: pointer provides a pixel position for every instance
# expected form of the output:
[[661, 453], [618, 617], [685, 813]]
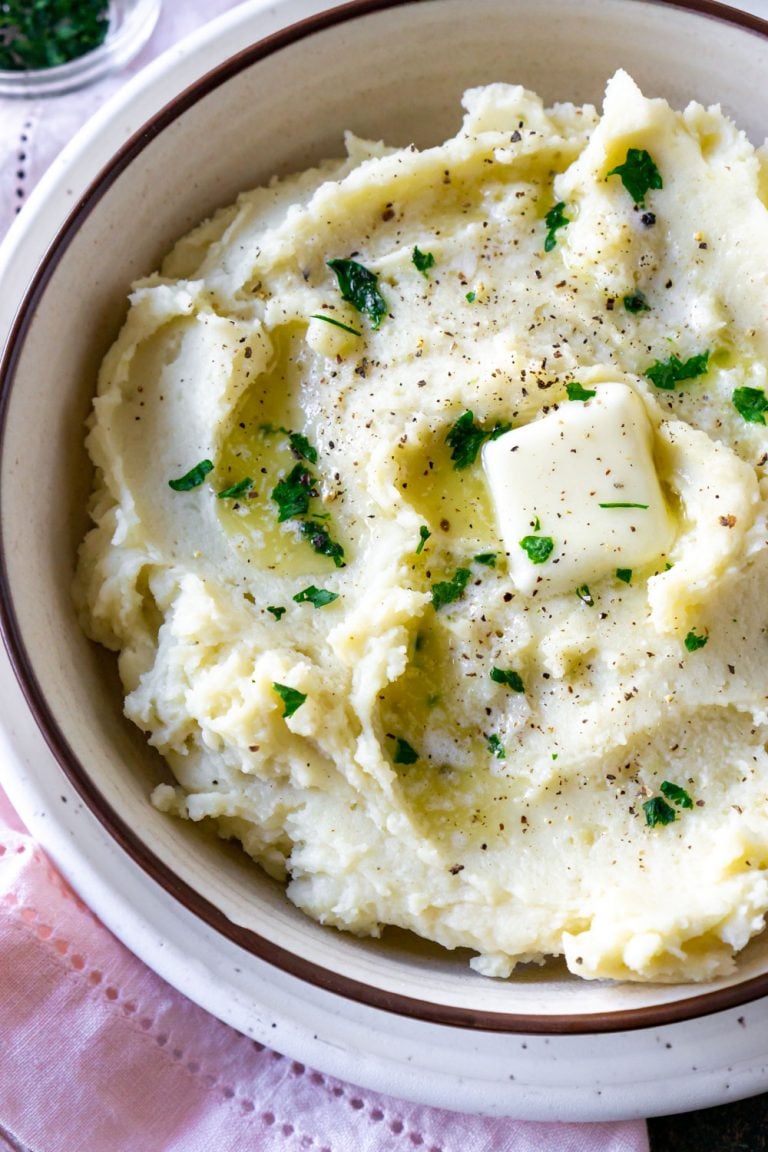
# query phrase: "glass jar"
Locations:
[[131, 23]]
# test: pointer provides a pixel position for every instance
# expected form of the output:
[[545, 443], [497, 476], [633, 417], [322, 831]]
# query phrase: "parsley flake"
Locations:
[[471, 297], [446, 591], [620, 504], [302, 448], [657, 811], [676, 794], [576, 392], [359, 287], [693, 642], [278, 613], [638, 174], [404, 752], [291, 697], [235, 490], [537, 548], [751, 403], [496, 747], [666, 373], [509, 678], [292, 493], [317, 597], [585, 595], [465, 439], [193, 478], [554, 220], [624, 574], [424, 535], [423, 261], [321, 541], [636, 303], [486, 558]]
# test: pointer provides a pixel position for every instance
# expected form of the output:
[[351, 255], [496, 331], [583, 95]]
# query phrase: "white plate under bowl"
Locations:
[[356, 1009]]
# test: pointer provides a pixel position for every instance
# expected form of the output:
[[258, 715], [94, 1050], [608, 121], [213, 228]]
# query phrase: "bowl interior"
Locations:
[[277, 107]]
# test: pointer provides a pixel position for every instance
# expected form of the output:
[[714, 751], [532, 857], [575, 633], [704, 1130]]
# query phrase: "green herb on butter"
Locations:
[[585, 595], [554, 220], [423, 261], [693, 642], [496, 747], [446, 591], [301, 447], [576, 392], [321, 541], [471, 297], [335, 323], [278, 613], [317, 597], [638, 173], [236, 490], [291, 697], [292, 493], [624, 574], [424, 535], [657, 811], [620, 504], [509, 678], [676, 794], [465, 439], [193, 478], [404, 752], [751, 403], [636, 303], [537, 548], [486, 558], [666, 374], [359, 287]]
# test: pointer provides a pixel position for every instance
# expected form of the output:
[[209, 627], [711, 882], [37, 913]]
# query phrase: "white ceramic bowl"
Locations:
[[384, 69]]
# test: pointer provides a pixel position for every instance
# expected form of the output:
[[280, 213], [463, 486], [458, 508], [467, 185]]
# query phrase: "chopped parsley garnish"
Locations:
[[317, 597], [336, 323], [676, 794], [666, 373], [47, 33], [585, 595], [624, 574], [423, 261], [319, 538], [751, 403], [471, 297], [278, 613], [486, 558], [693, 642], [537, 548], [359, 287], [424, 535], [576, 392], [235, 490], [404, 752], [657, 811], [511, 679], [292, 493], [620, 504], [193, 478], [496, 747], [554, 220], [291, 698], [465, 439], [636, 303], [446, 591], [638, 174], [301, 447]]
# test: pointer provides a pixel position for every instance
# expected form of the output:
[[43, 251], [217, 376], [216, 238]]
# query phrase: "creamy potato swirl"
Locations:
[[319, 628]]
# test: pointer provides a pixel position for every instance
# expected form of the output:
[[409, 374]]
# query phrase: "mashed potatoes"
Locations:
[[430, 530]]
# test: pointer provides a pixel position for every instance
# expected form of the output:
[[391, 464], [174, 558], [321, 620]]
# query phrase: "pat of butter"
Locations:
[[557, 477]]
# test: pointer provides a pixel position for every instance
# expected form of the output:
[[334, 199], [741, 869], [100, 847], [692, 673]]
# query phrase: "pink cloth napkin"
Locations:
[[98, 1054]]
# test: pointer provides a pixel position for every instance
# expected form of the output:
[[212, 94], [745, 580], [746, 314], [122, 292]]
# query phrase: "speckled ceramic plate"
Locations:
[[544, 1045]]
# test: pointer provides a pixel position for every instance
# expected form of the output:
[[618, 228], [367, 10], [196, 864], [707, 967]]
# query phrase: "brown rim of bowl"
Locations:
[[703, 1004]]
